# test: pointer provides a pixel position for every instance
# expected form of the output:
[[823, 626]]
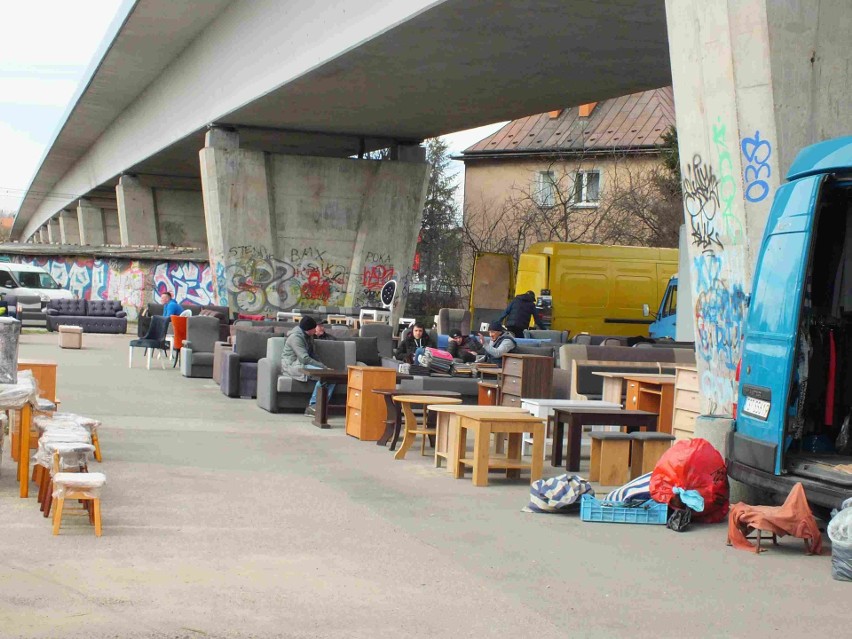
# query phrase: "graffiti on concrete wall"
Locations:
[[378, 270], [133, 282], [731, 224], [756, 170], [701, 201]]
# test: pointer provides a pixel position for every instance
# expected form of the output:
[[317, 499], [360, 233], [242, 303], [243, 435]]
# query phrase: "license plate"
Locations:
[[756, 407]]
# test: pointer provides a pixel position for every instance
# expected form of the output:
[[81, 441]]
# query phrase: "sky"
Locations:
[[45, 48]]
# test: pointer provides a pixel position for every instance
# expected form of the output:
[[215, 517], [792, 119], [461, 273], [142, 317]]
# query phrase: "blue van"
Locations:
[[665, 323], [794, 404]]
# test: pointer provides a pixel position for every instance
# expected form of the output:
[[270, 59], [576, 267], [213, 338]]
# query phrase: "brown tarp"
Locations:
[[793, 518]]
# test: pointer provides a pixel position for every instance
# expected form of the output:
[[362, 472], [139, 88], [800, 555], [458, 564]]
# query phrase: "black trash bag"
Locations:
[[680, 519]]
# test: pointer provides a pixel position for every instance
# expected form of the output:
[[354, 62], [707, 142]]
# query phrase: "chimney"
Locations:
[[586, 109]]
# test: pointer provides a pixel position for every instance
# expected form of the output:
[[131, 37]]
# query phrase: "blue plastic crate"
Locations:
[[621, 512]]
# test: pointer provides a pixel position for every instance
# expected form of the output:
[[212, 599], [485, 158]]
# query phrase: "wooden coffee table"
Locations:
[[412, 428], [393, 423]]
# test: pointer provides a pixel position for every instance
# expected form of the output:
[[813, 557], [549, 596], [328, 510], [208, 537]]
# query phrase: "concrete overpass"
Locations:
[[293, 89]]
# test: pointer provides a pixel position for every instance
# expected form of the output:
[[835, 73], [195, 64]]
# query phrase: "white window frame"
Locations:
[[545, 189], [581, 178]]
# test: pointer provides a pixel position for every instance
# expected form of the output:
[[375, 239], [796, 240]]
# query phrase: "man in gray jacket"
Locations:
[[298, 354], [502, 342]]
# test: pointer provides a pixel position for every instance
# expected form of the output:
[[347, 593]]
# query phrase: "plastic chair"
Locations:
[[155, 339], [179, 326]]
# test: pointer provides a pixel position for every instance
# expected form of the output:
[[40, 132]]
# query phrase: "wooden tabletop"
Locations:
[[467, 408], [605, 411], [35, 362], [499, 416], [323, 374], [426, 399], [399, 391], [649, 377]]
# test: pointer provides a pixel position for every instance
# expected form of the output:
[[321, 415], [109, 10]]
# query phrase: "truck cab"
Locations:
[[794, 400], [665, 323]]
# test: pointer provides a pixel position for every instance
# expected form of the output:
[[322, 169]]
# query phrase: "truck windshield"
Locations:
[[36, 280]]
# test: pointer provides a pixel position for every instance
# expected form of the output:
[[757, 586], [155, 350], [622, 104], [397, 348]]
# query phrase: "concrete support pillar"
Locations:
[[137, 218], [69, 228], [52, 231], [753, 83], [42, 235], [91, 223], [293, 231]]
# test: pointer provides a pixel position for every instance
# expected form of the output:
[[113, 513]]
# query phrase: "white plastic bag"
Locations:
[[840, 533]]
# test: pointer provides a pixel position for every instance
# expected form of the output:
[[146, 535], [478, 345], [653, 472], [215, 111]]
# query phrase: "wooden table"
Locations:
[[393, 424], [326, 376], [545, 408], [613, 383], [446, 428], [483, 424], [412, 428], [652, 393], [576, 418]]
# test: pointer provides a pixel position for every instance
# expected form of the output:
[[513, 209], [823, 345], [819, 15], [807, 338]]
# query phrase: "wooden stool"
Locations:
[[610, 464], [412, 428], [83, 486], [73, 457], [646, 450]]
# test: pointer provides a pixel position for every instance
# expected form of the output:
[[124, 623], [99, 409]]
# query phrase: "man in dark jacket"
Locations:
[[417, 338], [322, 333], [463, 348], [519, 312]]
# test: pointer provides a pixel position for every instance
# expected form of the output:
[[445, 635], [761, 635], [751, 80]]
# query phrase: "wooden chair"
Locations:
[[411, 426]]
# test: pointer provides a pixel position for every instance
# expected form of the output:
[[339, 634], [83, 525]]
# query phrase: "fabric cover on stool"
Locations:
[[70, 336]]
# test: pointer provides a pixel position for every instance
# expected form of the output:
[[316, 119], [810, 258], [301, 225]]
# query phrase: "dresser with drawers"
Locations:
[[525, 376], [366, 411]]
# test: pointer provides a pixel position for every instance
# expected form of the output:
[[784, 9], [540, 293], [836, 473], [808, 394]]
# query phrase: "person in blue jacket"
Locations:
[[170, 307], [519, 312]]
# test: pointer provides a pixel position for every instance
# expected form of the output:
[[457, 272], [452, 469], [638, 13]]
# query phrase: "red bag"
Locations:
[[693, 465], [439, 354]]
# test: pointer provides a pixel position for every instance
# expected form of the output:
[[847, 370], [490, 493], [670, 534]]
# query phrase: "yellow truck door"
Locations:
[[492, 286]]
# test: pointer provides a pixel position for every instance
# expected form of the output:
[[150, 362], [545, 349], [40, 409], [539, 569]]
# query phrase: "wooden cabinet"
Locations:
[[525, 376], [366, 411], [489, 394], [654, 394], [686, 402], [44, 373]]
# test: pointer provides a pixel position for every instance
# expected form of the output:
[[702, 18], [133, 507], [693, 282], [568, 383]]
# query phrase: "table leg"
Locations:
[[397, 425], [410, 426], [481, 449], [513, 451], [24, 455], [537, 460], [461, 451], [575, 434], [389, 422], [321, 414], [558, 436]]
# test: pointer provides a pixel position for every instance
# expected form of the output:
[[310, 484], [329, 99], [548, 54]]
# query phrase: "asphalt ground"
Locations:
[[223, 520]]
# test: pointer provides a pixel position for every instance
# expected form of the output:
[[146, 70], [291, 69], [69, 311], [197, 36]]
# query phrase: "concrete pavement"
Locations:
[[222, 520]]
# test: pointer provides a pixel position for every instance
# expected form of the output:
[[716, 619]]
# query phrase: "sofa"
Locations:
[[196, 358], [238, 368], [222, 314], [93, 316], [27, 309], [276, 392]]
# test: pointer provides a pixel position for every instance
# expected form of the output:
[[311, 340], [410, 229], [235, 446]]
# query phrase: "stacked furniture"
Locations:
[[93, 316], [525, 376]]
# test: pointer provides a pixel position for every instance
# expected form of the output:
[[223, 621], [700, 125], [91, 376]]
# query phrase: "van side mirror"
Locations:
[[646, 310], [8, 285]]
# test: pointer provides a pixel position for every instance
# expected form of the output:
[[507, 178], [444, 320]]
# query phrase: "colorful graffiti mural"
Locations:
[[133, 282]]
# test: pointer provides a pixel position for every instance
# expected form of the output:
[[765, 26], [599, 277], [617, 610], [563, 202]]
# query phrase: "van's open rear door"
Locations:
[[492, 286], [772, 327]]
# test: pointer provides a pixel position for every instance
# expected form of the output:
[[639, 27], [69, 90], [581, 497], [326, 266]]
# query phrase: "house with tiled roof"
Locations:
[[571, 158]]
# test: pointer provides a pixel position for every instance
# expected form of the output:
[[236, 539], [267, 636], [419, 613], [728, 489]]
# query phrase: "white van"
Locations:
[[23, 279]]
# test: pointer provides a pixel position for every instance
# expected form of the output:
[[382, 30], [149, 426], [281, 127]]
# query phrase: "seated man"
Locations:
[[416, 339], [463, 348], [170, 307], [502, 342], [297, 354], [321, 333]]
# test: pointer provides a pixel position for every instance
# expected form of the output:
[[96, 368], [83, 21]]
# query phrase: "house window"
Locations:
[[546, 188], [587, 187]]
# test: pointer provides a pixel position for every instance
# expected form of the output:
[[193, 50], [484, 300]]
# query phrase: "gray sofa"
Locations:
[[202, 333], [93, 316], [238, 372], [276, 392]]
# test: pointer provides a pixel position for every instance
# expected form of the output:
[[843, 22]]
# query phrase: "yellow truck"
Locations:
[[603, 290]]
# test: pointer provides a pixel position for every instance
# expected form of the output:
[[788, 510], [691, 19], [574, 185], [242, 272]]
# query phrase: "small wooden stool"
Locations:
[[646, 450], [412, 428], [83, 486], [610, 463]]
